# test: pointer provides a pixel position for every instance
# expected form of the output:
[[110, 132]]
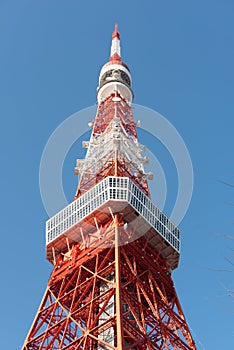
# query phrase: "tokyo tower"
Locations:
[[112, 249]]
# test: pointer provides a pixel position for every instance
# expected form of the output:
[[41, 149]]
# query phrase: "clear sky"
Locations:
[[181, 56]]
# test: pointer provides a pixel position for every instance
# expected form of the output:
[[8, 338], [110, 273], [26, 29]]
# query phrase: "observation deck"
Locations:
[[113, 195]]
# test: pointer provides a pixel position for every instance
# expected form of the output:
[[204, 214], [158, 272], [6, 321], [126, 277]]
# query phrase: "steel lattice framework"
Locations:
[[113, 148], [113, 250]]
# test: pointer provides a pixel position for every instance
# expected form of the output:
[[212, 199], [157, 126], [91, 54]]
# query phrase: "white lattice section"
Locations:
[[115, 138]]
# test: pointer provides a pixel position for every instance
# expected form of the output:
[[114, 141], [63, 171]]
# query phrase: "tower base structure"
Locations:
[[120, 297]]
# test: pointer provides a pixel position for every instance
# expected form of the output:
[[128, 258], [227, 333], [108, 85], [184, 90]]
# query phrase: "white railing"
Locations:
[[109, 189]]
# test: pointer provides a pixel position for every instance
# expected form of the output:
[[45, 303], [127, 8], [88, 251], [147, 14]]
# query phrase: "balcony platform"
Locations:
[[113, 195]]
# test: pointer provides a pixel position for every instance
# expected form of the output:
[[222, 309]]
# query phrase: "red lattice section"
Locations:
[[116, 298]]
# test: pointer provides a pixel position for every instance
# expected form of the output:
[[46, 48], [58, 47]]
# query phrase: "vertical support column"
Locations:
[[119, 325], [116, 163], [116, 149]]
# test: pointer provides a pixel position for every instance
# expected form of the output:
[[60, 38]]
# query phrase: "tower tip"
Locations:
[[115, 46], [115, 33]]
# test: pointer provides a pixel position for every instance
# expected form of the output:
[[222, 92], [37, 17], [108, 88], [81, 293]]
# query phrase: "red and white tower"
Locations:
[[112, 249]]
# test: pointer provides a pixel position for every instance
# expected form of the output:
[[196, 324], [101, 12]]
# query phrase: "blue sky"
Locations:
[[181, 56]]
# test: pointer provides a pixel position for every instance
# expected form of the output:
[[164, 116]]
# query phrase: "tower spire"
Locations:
[[115, 75], [115, 53]]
